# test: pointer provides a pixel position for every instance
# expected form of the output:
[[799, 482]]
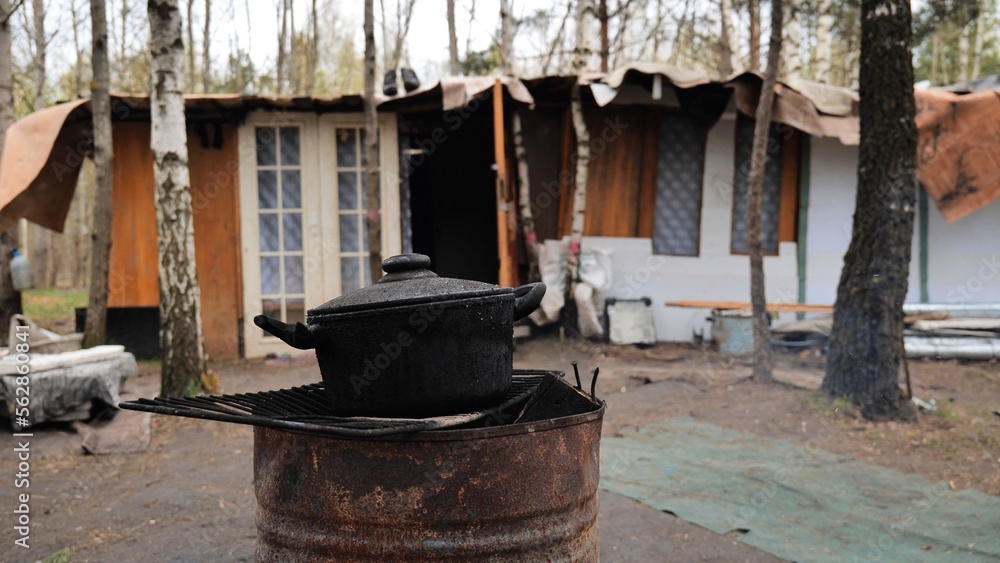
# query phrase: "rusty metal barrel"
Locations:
[[521, 492]]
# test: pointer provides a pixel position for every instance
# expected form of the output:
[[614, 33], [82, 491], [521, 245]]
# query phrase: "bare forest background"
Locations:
[[316, 49]]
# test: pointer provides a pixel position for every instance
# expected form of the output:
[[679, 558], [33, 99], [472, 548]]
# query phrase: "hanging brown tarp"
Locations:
[[41, 160], [958, 155]]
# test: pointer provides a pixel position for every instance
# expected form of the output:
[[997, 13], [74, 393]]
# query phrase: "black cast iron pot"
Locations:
[[414, 344]]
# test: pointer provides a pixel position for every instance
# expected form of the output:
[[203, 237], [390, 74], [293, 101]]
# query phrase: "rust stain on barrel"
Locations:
[[509, 493]]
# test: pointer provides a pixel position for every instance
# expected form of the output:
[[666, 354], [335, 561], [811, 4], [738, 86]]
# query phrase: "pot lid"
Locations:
[[408, 281]]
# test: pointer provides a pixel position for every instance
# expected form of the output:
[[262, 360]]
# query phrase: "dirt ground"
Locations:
[[189, 496]]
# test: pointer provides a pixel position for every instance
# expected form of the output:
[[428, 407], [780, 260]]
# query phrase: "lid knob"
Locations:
[[407, 267], [406, 263]]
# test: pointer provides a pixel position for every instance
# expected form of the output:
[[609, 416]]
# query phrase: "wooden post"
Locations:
[[505, 204]]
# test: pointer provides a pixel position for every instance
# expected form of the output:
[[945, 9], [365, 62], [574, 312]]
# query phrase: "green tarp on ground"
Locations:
[[797, 501]]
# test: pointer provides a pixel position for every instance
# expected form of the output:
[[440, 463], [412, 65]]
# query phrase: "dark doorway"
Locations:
[[452, 191]]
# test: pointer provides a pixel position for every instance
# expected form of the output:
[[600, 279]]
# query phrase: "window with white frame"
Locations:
[[279, 215], [355, 271]]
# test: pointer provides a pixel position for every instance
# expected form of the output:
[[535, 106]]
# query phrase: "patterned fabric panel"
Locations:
[[772, 187], [677, 217]]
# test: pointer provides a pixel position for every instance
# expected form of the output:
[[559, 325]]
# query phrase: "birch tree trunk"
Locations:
[[792, 33], [94, 332], [180, 300], [602, 19], [527, 218], [506, 38], [726, 41], [206, 51], [453, 67], [585, 12], [865, 346], [10, 300], [824, 47], [755, 195], [524, 197], [656, 31], [372, 195]]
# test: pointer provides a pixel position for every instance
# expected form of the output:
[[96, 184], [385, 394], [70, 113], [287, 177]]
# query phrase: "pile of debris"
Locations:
[[966, 331]]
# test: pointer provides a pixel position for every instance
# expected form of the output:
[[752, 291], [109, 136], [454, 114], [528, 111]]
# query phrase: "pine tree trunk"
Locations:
[[755, 196], [372, 195], [94, 332], [754, 7], [180, 309], [726, 41], [453, 67], [206, 51], [977, 50], [865, 343]]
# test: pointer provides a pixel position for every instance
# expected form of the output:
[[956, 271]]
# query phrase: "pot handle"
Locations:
[[527, 298], [295, 335]]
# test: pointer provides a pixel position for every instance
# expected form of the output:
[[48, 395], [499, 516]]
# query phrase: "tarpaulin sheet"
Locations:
[[59, 391], [798, 501], [958, 156]]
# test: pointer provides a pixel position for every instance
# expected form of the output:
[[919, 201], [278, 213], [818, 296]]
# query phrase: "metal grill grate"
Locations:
[[306, 409]]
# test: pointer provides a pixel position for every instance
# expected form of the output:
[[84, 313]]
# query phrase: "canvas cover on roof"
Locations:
[[959, 146]]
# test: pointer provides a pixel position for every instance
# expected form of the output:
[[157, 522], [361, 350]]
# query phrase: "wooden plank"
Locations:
[[133, 264], [647, 183], [215, 200], [910, 319], [503, 200], [789, 198], [781, 307], [614, 174]]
